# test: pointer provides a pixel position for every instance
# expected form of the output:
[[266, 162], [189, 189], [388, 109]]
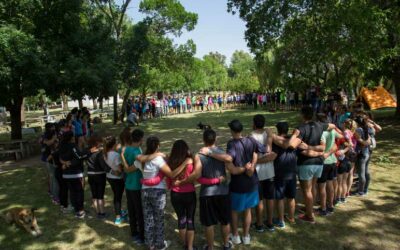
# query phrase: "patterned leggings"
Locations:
[[153, 201]]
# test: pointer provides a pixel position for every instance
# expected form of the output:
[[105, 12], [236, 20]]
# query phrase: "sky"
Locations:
[[216, 29]]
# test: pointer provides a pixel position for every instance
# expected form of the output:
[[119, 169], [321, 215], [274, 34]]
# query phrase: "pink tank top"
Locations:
[[186, 188]]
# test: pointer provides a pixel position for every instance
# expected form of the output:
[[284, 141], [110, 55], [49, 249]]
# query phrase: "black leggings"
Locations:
[[63, 189], [76, 192], [117, 186], [185, 208], [97, 184], [135, 211]]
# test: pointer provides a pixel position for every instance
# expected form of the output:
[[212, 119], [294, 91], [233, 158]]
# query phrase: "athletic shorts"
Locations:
[[285, 189], [266, 189], [344, 167], [335, 172], [215, 209], [328, 173], [307, 172], [243, 201]]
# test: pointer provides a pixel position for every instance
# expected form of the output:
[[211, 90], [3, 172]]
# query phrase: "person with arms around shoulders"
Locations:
[[96, 172], [265, 172], [285, 166], [133, 187]]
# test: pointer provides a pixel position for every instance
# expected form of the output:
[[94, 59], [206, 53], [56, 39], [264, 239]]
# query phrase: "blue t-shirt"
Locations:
[[78, 127]]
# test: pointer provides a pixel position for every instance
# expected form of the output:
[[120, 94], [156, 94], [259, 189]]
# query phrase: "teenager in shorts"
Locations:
[[243, 187], [265, 173], [285, 166], [325, 182]]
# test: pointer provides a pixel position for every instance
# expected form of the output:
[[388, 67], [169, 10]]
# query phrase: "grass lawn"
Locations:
[[372, 222]]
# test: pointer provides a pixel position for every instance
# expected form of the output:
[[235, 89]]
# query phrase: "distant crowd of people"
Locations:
[[253, 172], [155, 106]]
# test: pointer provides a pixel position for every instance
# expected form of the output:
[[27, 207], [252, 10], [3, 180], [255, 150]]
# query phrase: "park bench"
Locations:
[[16, 152], [18, 148]]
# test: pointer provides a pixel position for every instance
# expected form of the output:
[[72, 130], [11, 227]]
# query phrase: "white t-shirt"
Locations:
[[158, 104], [151, 169], [264, 170], [113, 161]]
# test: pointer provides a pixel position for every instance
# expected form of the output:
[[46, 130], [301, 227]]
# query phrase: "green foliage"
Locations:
[[215, 70], [21, 66], [243, 77], [327, 43]]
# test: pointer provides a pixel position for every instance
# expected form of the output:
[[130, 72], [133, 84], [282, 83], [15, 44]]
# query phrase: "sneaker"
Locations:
[[118, 221], [101, 216], [330, 210], [229, 247], [259, 229], [205, 247], [124, 213], [270, 227], [279, 224], [235, 239], [246, 240], [343, 200], [305, 218], [290, 220], [166, 245], [139, 242], [322, 212], [80, 215]]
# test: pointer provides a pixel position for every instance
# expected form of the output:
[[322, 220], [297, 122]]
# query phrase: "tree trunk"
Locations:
[[80, 103], [23, 112], [94, 103], [15, 115], [396, 83], [123, 108], [64, 100], [101, 103], [115, 105]]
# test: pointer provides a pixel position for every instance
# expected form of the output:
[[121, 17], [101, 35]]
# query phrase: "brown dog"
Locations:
[[25, 218]]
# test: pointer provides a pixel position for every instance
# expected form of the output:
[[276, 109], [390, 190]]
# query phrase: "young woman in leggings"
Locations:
[[154, 196], [183, 195], [97, 175], [114, 175]]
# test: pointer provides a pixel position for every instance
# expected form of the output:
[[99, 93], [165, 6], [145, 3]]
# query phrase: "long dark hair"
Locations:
[[125, 137], [109, 143], [360, 120], [152, 144], [179, 152]]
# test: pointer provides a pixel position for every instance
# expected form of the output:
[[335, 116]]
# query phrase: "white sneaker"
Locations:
[[235, 239], [246, 240], [167, 243]]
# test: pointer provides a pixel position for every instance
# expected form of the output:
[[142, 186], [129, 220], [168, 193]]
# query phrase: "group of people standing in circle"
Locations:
[[256, 171]]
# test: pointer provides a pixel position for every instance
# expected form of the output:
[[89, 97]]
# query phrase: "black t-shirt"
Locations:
[[311, 133], [285, 163], [242, 151]]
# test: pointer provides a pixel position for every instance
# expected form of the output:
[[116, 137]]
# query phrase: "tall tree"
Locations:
[[242, 72], [21, 72]]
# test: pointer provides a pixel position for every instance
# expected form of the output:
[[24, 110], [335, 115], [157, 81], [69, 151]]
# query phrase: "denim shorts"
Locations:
[[307, 172]]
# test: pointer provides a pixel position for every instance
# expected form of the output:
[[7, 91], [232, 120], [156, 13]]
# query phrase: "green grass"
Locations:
[[363, 223]]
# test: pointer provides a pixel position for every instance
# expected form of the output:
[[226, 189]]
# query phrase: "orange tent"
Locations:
[[377, 98]]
